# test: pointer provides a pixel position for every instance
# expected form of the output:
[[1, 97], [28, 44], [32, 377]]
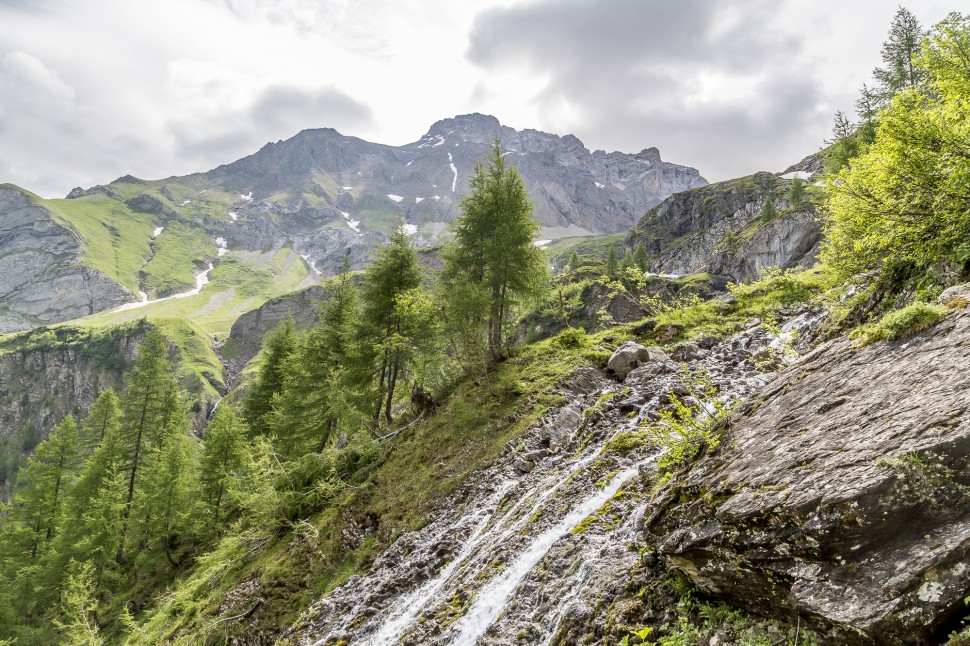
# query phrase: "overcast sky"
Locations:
[[91, 90]]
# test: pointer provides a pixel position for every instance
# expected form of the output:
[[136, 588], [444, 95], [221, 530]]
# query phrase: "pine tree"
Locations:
[[223, 456], [574, 261], [103, 418], [899, 52], [611, 261], [78, 624], [796, 192], [768, 210], [279, 345], [36, 507], [163, 509], [150, 401], [393, 272], [492, 264], [93, 508], [640, 256], [627, 262]]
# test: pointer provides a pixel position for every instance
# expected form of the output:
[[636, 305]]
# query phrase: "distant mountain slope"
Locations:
[[319, 195]]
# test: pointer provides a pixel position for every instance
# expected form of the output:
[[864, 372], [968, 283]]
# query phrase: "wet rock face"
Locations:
[[842, 496], [43, 280]]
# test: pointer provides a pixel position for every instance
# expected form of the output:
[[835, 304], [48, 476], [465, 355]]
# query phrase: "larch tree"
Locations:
[[492, 264], [899, 53], [279, 345], [393, 272]]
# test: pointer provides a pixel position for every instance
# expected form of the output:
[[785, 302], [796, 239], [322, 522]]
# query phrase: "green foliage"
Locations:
[[492, 265], [689, 423], [903, 201], [899, 54], [900, 323], [278, 346], [640, 256], [796, 192], [223, 457], [391, 326], [611, 262], [769, 211], [79, 608]]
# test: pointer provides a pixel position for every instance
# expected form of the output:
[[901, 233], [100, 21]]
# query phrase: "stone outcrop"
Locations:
[[44, 278], [719, 229], [840, 494]]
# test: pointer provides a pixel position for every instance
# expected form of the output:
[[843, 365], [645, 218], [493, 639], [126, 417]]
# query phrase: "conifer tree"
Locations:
[[78, 622], [611, 261], [768, 210], [393, 272], [223, 457], [40, 488], [899, 52], [103, 418], [627, 262], [796, 192], [640, 256], [92, 519], [150, 401], [280, 344], [574, 261], [492, 264], [164, 506]]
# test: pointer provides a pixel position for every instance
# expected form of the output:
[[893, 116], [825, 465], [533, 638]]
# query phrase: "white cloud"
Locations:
[[91, 91]]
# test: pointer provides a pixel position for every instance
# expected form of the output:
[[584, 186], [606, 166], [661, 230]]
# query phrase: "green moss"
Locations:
[[900, 323]]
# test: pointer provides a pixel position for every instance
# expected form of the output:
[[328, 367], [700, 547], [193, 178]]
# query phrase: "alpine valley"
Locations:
[[492, 388]]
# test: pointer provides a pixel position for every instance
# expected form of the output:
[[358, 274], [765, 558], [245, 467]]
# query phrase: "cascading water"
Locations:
[[528, 547]]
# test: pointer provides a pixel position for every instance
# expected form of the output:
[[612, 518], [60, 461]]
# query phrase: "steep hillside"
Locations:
[[725, 228], [49, 272]]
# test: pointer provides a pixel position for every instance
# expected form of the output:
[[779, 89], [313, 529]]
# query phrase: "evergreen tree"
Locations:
[[223, 457], [103, 418], [78, 623], [867, 105], [279, 345], [163, 509], [150, 401], [903, 203], [768, 210], [796, 192], [627, 262], [574, 261], [492, 264], [92, 519], [393, 272], [611, 261], [640, 257], [40, 489], [899, 54]]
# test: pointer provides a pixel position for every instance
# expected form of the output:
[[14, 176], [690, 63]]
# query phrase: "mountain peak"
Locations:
[[470, 127]]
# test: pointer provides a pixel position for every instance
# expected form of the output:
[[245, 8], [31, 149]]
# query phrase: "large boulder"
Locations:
[[840, 495], [630, 355]]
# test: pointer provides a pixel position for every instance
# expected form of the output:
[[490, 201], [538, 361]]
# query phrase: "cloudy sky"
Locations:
[[91, 90]]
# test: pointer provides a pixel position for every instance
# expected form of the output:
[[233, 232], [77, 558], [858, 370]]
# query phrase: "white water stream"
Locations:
[[493, 597], [201, 281]]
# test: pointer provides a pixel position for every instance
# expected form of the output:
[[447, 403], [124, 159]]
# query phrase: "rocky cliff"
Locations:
[[722, 229], [574, 190], [43, 274], [839, 495], [46, 376]]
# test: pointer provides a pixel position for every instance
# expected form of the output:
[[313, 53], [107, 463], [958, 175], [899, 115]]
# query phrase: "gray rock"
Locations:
[[45, 279], [839, 493], [954, 293], [696, 231]]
